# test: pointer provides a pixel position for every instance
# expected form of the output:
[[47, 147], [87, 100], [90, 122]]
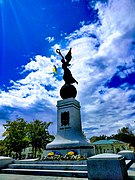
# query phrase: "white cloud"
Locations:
[[93, 67], [49, 39], [35, 96], [33, 87]]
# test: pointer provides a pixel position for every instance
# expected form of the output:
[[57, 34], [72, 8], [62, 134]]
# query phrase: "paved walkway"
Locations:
[[29, 177]]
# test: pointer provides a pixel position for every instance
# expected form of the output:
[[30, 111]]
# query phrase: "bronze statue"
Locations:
[[67, 77]]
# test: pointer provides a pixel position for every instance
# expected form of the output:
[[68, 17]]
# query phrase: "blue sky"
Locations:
[[102, 36]]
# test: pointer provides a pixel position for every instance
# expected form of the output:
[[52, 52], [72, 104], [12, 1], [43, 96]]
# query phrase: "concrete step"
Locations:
[[49, 167], [131, 171], [63, 173], [35, 161]]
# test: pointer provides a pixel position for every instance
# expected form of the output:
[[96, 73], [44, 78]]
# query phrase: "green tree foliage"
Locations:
[[38, 135], [124, 134], [125, 130], [19, 135], [3, 148], [97, 138], [16, 139]]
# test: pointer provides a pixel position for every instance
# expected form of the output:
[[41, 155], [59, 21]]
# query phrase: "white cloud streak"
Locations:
[[49, 39]]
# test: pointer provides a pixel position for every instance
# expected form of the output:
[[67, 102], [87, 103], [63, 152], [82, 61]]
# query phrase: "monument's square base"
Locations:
[[76, 143], [69, 130]]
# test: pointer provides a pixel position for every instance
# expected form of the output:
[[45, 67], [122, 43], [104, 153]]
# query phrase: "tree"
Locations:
[[3, 148], [97, 138], [125, 130], [125, 134], [38, 135], [16, 139]]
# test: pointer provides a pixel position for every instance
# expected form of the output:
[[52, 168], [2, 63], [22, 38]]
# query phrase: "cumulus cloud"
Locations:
[[29, 89], [98, 50], [36, 95]]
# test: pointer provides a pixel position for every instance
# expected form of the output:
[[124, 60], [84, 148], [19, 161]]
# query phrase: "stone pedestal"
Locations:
[[128, 155], [5, 161], [107, 166], [69, 129]]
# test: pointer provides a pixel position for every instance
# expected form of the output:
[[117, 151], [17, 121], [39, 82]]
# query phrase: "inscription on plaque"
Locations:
[[65, 118]]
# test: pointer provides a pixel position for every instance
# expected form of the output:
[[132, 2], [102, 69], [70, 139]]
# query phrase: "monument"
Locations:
[[69, 129]]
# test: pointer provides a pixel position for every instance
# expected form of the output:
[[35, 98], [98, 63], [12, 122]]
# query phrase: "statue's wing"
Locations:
[[68, 57]]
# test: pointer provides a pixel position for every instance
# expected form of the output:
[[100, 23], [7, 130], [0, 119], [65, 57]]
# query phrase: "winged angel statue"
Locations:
[[67, 77]]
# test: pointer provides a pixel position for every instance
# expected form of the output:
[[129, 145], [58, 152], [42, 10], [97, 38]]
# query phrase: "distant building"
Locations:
[[109, 146], [27, 153]]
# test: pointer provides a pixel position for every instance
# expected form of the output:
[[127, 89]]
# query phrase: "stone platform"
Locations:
[[48, 168], [72, 170]]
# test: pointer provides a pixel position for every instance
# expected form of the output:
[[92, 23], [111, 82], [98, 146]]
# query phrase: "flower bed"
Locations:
[[56, 156]]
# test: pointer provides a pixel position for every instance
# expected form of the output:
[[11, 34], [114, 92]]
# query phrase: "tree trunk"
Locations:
[[16, 155], [10, 153], [35, 153], [20, 155]]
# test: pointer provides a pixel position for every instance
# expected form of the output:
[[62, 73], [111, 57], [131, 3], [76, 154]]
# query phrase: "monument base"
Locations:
[[69, 130], [77, 144]]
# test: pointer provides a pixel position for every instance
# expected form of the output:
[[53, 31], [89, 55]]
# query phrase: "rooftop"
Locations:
[[108, 141]]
